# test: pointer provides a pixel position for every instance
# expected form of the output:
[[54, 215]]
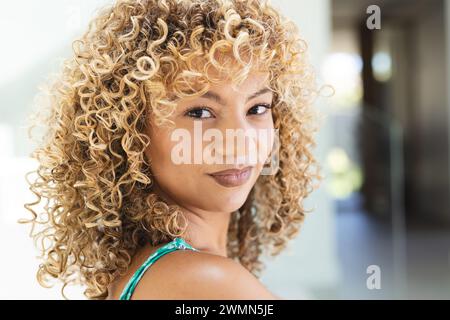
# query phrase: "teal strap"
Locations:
[[175, 244]]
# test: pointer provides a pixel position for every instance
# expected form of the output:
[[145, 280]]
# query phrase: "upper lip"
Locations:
[[227, 172]]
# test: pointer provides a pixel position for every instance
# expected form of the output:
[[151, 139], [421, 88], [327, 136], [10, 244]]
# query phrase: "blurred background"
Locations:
[[380, 226]]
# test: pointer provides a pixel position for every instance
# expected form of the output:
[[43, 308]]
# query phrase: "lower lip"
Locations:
[[233, 180]]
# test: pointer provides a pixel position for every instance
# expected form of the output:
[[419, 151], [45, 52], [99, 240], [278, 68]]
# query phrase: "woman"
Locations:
[[145, 74]]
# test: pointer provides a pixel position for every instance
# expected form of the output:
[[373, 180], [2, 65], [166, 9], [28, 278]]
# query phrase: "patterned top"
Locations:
[[175, 244]]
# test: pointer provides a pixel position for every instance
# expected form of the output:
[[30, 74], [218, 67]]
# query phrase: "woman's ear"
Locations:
[[271, 165]]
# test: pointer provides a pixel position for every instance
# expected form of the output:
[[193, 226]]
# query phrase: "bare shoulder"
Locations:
[[185, 274]]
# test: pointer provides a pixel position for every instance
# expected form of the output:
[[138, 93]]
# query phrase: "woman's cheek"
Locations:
[[159, 152]]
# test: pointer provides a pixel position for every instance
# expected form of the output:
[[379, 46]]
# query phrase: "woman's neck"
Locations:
[[207, 231]]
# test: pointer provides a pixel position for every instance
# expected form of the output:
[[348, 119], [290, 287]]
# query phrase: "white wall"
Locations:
[[38, 34]]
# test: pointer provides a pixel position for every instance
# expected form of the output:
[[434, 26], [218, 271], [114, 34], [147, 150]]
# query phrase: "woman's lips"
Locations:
[[232, 177]]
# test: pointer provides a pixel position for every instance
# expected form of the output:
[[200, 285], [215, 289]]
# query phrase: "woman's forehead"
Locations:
[[253, 81], [226, 90]]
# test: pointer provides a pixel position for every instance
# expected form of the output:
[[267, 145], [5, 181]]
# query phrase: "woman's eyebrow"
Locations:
[[217, 98]]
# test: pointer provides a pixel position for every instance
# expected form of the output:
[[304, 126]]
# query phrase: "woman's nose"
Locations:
[[238, 142]]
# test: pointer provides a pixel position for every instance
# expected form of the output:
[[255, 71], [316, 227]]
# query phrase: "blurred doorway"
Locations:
[[390, 160]]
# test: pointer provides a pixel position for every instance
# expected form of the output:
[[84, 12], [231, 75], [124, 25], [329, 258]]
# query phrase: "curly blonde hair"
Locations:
[[136, 58]]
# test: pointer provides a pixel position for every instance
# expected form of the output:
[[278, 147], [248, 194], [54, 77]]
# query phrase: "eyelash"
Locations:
[[265, 105]]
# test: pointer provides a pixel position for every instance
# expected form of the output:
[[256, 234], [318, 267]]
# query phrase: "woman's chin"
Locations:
[[229, 201]]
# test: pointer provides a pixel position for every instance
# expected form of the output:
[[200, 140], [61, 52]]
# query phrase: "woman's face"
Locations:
[[221, 130]]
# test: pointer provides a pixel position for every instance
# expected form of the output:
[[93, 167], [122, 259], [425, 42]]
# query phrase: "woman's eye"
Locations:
[[199, 113], [259, 109]]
